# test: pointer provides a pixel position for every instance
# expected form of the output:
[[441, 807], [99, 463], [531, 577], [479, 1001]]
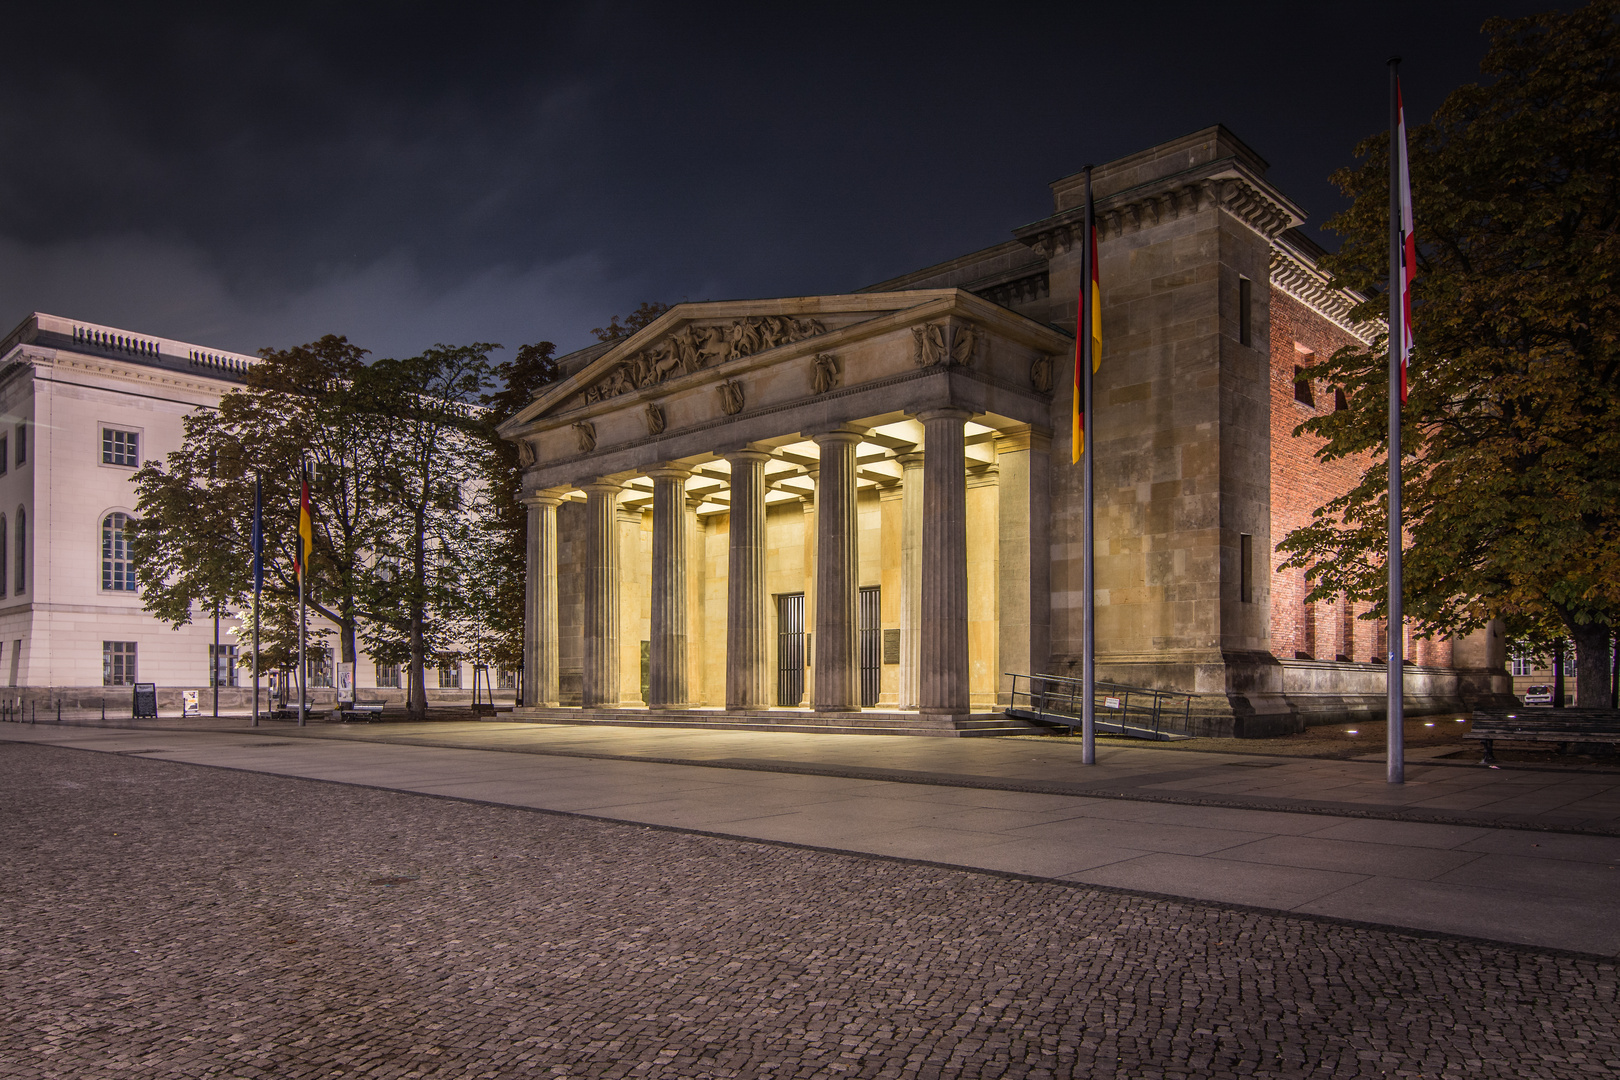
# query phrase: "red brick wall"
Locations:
[[1300, 483]]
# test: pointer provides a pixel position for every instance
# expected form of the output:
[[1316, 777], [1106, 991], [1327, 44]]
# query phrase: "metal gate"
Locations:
[[871, 646], [790, 649]]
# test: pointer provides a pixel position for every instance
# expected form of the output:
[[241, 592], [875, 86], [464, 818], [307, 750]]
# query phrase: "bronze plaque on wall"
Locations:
[[891, 646]]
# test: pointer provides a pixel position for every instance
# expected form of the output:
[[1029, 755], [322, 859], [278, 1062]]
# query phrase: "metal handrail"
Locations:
[[1134, 710]]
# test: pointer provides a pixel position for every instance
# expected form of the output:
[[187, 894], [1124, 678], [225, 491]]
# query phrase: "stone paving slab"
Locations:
[[1287, 861], [165, 920]]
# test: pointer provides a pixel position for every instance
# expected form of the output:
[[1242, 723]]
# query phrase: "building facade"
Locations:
[[862, 506], [82, 406]]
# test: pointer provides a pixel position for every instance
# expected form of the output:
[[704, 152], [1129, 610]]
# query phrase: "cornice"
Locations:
[[1226, 185], [132, 373], [1298, 276]]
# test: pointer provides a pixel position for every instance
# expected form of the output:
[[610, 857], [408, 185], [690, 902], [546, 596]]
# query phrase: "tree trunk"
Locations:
[[1558, 675], [416, 707], [1591, 664]]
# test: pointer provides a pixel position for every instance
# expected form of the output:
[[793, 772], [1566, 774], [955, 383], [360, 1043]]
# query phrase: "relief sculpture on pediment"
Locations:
[[944, 344], [694, 347]]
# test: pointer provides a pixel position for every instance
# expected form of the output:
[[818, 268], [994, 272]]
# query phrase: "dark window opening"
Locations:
[[1340, 402], [1302, 387], [1245, 312], [1246, 568]]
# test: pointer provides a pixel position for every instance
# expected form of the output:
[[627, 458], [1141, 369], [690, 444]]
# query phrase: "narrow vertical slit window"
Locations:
[[1246, 568], [1245, 311]]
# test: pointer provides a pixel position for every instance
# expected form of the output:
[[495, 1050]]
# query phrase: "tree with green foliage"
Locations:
[[496, 578], [310, 404], [1512, 486], [434, 433]]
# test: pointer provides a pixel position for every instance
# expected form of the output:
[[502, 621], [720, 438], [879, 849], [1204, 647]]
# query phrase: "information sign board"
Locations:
[[145, 699]]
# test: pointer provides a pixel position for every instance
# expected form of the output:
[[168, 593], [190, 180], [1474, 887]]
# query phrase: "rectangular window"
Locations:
[[224, 665], [1523, 665], [117, 564], [388, 675], [120, 447], [319, 662], [22, 442], [1246, 568], [505, 680], [1245, 311], [117, 663], [1340, 402], [450, 676], [5, 456], [1302, 387]]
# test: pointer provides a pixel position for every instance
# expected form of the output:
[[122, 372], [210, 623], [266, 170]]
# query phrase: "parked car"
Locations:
[[1538, 695]]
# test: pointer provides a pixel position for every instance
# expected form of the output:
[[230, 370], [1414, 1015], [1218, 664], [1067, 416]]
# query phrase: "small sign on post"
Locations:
[[1110, 702], [145, 700], [189, 705]]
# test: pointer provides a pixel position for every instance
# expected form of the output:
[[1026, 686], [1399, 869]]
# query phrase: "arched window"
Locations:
[[22, 551], [117, 566]]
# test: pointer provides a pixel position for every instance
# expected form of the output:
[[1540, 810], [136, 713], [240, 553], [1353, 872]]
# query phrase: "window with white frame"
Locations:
[[318, 661], [120, 447], [505, 680], [223, 664], [117, 663], [1523, 664], [388, 675], [117, 564], [450, 676]]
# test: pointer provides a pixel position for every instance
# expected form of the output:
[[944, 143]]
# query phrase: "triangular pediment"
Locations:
[[693, 338]]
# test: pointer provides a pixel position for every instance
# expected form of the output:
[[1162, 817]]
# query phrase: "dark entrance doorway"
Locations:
[[871, 646], [790, 649]]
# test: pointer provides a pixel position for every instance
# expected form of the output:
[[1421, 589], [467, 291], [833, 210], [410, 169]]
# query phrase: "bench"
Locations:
[[364, 713], [1566, 727], [488, 708]]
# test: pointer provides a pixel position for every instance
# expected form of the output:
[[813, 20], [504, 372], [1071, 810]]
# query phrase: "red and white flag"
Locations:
[[1403, 287]]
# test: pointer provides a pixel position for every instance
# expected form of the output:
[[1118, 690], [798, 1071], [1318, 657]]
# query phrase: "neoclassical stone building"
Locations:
[[862, 506]]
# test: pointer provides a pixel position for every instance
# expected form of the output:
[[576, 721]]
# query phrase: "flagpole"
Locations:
[[1088, 648], [1396, 741], [258, 585], [303, 572]]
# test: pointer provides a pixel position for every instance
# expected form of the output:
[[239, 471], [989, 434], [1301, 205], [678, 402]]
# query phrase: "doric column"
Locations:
[[837, 660], [601, 660], [911, 519], [984, 586], [748, 682], [1024, 594], [810, 586], [943, 678], [668, 686], [540, 636]]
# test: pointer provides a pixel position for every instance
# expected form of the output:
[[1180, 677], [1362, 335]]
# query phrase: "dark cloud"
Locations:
[[413, 172]]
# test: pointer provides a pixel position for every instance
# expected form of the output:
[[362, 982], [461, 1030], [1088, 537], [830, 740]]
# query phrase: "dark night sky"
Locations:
[[406, 173]]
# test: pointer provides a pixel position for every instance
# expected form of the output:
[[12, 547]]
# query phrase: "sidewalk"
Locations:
[[1507, 855]]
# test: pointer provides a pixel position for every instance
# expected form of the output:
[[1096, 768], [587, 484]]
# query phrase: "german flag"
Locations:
[[306, 531], [1088, 328]]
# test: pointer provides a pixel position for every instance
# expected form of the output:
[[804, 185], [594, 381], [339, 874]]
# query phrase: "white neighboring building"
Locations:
[[82, 406]]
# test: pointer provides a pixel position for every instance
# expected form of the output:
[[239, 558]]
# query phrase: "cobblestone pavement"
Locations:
[[168, 920]]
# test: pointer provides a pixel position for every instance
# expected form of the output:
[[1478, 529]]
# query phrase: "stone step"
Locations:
[[786, 720]]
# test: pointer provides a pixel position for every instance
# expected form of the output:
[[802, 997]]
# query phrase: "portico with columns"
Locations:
[[790, 509], [856, 511]]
